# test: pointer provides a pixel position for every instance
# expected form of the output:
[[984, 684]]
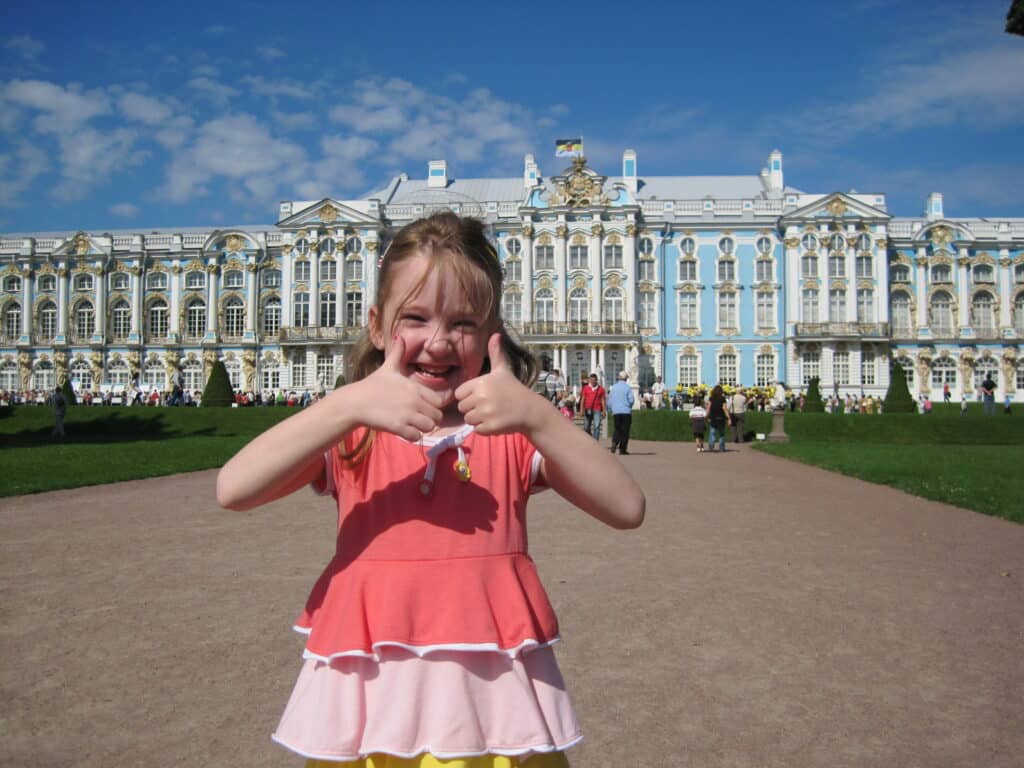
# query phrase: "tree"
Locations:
[[898, 398], [69, 392], [812, 402], [1015, 18], [340, 381], [218, 392]]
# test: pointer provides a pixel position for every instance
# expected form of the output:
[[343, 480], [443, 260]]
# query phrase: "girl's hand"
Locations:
[[392, 402], [497, 402]]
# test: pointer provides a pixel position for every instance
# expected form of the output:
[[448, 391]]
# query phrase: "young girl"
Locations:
[[429, 634], [698, 419]]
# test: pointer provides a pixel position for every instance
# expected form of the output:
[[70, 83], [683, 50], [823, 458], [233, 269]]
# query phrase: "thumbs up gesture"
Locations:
[[497, 402], [393, 402]]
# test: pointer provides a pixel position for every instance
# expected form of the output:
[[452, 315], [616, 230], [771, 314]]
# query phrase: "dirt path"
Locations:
[[767, 614]]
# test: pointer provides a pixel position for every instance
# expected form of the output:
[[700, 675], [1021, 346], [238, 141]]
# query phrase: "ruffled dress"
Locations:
[[429, 633]]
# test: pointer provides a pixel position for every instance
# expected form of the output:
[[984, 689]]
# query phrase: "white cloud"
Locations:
[[19, 169], [126, 210], [90, 157], [215, 30], [205, 70], [61, 109], [218, 93], [25, 46], [270, 53], [143, 109], [173, 133], [291, 88], [292, 121]]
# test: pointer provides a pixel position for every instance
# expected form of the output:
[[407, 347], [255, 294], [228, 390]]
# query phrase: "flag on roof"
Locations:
[[564, 147]]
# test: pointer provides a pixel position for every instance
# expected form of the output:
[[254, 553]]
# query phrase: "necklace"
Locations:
[[461, 466]]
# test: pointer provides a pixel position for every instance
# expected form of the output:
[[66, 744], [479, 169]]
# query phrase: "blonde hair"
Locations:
[[457, 247]]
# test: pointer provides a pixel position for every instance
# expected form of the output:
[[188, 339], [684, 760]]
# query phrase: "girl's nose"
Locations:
[[440, 340]]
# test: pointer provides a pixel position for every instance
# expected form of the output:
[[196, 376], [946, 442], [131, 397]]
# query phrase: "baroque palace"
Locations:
[[701, 279]]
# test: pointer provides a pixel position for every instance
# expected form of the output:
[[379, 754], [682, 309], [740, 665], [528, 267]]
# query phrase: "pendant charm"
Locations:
[[425, 488], [462, 471]]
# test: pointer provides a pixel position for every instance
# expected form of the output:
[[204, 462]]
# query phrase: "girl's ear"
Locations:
[[376, 334]]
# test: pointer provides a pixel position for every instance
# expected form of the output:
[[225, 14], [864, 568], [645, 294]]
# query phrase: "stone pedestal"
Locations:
[[778, 433]]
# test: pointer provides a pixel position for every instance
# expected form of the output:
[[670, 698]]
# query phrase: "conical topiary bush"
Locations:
[[218, 392], [812, 401], [898, 398]]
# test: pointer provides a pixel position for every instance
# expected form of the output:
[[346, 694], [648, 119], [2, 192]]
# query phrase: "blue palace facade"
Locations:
[[741, 280]]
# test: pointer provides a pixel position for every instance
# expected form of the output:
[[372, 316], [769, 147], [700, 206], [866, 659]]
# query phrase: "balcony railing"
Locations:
[[580, 328], [329, 333], [833, 330]]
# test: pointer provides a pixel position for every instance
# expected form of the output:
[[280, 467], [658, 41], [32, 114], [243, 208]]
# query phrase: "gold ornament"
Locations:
[[462, 471]]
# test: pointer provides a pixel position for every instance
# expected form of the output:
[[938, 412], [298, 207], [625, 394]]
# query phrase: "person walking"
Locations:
[[60, 409], [738, 408], [592, 403], [988, 395], [718, 415], [620, 403], [698, 421], [658, 393]]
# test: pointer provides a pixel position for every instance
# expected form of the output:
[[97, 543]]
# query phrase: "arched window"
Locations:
[[645, 246], [900, 273], [157, 319], [579, 310], [195, 280], [942, 273], [270, 318], [943, 372], [301, 246], [514, 247], [81, 376], [1018, 314], [43, 377], [192, 375], [985, 368], [543, 257], [195, 319], [328, 308], [234, 317], [727, 245], [901, 323], [12, 320], [763, 245], [544, 310], [1018, 273], [300, 310], [121, 319], [809, 242], [764, 370], [234, 369], [118, 374], [9, 376], [727, 370], [941, 314], [838, 242], [353, 245], [47, 321], [908, 369], [119, 281], [810, 366], [614, 310], [83, 282], [271, 375], [864, 242], [12, 284], [154, 376], [85, 320], [512, 309], [156, 281], [983, 316], [689, 374], [271, 278], [688, 246], [47, 283], [327, 247], [983, 273], [234, 279]]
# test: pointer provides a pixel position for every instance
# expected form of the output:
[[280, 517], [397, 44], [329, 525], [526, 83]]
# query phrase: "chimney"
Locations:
[[437, 174], [629, 170], [531, 173], [933, 208], [775, 182]]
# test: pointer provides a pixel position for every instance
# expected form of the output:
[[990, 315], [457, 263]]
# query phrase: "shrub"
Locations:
[[69, 392], [812, 402], [340, 381], [898, 398], [218, 392]]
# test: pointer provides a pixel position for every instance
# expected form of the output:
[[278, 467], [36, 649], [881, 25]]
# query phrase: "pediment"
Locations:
[[327, 212], [82, 246], [943, 232], [837, 206]]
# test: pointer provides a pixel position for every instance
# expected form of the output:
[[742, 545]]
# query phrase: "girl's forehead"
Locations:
[[422, 281]]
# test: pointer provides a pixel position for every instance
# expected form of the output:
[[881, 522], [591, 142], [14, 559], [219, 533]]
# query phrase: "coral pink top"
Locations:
[[446, 569]]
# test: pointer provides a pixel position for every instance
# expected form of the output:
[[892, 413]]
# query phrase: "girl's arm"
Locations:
[[575, 465], [290, 455]]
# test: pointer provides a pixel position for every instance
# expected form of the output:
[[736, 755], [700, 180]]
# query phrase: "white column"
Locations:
[[175, 278], [602, 362], [62, 300], [26, 302], [314, 287], [922, 303], [593, 360], [250, 295], [136, 283], [211, 298], [963, 288], [101, 307], [562, 300], [596, 245], [1005, 277], [793, 299], [879, 275], [526, 254], [852, 282], [286, 286], [628, 259]]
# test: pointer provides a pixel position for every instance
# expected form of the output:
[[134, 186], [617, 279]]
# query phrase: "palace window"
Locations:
[[156, 281], [648, 309], [764, 370], [908, 369], [512, 309], [328, 270], [1020, 375], [154, 376], [867, 367], [121, 317], [727, 245], [300, 310], [646, 246], [234, 279], [156, 321], [354, 309], [47, 321], [837, 305], [513, 246], [900, 273], [85, 320], [614, 307], [727, 370], [809, 242], [327, 247], [47, 283], [901, 323], [234, 317], [118, 374], [1018, 273], [810, 366], [299, 373], [809, 305], [355, 270], [12, 284], [353, 246], [763, 270], [687, 310], [646, 271], [837, 265], [864, 266], [271, 376], [195, 319], [841, 367], [83, 282], [865, 305], [579, 308], [270, 321], [726, 270], [688, 246], [688, 269], [613, 257], [301, 246], [689, 375], [940, 313], [941, 273], [544, 306], [192, 375], [579, 257], [943, 372], [983, 273], [119, 281], [81, 376], [325, 369], [726, 311], [301, 271], [986, 368], [513, 271], [328, 308], [271, 278], [763, 245], [544, 257], [809, 266], [195, 279], [1018, 314], [864, 242], [838, 242], [234, 369], [983, 316], [765, 310], [9, 377], [43, 376], [12, 320]]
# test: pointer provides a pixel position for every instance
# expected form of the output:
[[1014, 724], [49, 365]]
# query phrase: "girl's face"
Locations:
[[445, 338]]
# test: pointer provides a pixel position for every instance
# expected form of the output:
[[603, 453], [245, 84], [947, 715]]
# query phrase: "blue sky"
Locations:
[[132, 115]]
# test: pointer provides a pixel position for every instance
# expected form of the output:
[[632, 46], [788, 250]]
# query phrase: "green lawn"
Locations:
[[108, 444]]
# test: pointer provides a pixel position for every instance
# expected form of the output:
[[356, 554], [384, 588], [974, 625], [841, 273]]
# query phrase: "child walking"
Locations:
[[698, 421], [429, 633]]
